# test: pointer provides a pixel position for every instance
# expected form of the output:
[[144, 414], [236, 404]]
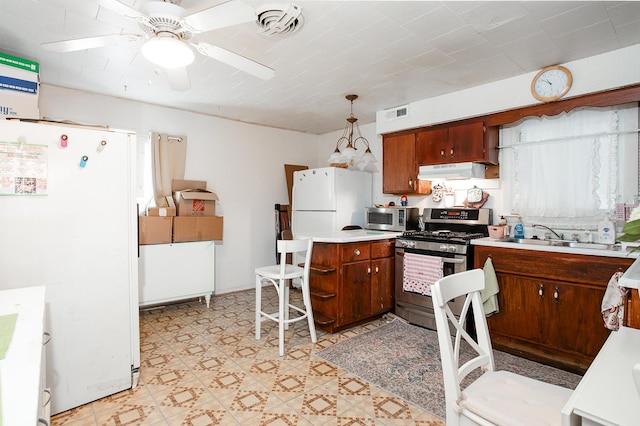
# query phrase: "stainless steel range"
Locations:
[[446, 238]]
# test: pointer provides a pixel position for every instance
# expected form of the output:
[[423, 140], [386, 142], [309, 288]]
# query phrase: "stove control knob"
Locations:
[[448, 248]]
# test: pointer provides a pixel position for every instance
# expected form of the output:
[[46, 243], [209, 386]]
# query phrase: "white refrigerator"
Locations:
[[328, 199], [68, 221]]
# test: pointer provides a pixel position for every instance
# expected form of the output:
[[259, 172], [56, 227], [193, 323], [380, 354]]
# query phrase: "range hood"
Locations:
[[452, 171]]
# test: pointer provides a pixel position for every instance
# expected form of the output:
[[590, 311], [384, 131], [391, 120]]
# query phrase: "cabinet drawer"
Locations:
[[355, 252], [382, 249]]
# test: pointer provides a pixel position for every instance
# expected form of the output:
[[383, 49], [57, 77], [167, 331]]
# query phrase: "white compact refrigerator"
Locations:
[[328, 199], [68, 221]]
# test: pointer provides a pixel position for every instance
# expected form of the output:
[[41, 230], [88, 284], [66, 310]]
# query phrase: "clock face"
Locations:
[[551, 83]]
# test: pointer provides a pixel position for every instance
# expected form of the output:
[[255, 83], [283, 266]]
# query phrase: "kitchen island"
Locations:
[[550, 300], [352, 277]]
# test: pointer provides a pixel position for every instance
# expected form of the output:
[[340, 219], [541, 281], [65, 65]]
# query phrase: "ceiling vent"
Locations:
[[279, 19]]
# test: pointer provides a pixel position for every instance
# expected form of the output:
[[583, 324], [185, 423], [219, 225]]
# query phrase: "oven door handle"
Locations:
[[449, 260]]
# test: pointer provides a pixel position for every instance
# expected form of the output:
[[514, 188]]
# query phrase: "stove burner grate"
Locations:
[[440, 235]]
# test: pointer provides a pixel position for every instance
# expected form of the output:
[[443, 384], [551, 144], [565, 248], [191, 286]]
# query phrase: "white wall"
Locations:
[[597, 73], [242, 163]]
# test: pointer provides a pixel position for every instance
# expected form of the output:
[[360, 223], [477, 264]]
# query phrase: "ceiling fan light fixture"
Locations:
[[167, 51]]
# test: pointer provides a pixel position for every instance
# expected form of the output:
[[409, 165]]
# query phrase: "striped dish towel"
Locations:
[[420, 271]]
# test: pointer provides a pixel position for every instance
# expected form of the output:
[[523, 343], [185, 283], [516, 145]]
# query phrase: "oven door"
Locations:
[[417, 308]]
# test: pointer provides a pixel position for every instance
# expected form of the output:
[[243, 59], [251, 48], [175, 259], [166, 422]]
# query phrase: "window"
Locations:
[[569, 170]]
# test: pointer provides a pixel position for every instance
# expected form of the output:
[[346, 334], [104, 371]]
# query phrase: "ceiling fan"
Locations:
[[167, 32]]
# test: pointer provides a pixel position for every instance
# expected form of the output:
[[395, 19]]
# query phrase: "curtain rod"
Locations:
[[569, 138]]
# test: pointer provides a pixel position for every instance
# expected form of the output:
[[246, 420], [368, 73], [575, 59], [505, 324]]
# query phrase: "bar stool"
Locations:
[[278, 276]]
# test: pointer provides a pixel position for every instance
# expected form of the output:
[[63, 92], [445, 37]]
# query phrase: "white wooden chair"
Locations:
[[279, 276], [495, 397]]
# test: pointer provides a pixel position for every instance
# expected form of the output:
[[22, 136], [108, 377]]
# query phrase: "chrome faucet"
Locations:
[[560, 236]]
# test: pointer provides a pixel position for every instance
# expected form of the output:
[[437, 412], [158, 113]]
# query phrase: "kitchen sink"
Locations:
[[558, 243]]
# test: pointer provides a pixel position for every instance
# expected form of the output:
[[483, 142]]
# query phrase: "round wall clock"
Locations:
[[551, 83]]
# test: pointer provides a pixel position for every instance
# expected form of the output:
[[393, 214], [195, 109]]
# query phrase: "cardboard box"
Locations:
[[197, 228], [19, 87], [154, 229], [193, 199], [161, 211], [179, 185], [18, 105]]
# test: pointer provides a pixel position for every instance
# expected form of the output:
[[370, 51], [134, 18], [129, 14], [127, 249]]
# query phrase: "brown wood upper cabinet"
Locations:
[[457, 144], [399, 166]]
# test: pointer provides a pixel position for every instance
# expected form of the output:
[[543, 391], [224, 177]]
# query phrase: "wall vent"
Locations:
[[396, 113]]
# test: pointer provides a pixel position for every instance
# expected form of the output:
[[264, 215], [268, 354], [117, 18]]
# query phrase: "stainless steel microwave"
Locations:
[[397, 219]]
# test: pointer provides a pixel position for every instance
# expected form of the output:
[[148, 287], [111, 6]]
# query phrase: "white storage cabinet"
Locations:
[[173, 272]]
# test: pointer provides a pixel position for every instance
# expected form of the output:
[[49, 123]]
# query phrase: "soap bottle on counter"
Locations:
[[518, 228], [606, 231], [503, 224]]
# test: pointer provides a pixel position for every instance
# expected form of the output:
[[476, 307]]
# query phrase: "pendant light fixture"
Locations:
[[350, 156]]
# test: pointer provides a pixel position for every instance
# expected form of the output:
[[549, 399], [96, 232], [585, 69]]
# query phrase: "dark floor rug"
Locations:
[[404, 360]]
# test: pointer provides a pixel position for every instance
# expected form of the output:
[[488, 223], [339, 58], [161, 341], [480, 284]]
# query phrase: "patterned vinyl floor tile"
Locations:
[[203, 366]]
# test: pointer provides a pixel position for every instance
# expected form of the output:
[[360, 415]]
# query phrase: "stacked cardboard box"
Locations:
[[19, 87], [196, 207], [187, 216]]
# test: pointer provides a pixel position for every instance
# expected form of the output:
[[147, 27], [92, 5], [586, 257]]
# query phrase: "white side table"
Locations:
[[607, 394]]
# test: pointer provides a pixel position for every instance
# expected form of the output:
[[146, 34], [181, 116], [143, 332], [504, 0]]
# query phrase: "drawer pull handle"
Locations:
[[369, 270], [556, 295], [46, 338], [541, 291], [377, 270], [356, 252]]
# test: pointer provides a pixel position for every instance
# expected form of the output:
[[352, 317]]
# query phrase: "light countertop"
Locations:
[[569, 250], [352, 236], [20, 370]]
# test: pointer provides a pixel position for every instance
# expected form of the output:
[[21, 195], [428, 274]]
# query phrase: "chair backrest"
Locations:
[[302, 247], [466, 284]]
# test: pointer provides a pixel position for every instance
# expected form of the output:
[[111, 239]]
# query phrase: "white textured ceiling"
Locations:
[[388, 52]]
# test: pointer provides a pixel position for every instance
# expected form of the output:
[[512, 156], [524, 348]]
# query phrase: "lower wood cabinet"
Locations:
[[550, 304], [351, 283]]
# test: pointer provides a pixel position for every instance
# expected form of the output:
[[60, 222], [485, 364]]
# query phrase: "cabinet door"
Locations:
[[355, 303], [432, 146], [521, 309], [575, 323], [399, 167], [466, 142], [382, 282]]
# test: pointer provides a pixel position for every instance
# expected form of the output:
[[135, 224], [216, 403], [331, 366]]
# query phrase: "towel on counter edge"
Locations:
[[613, 303], [490, 293], [420, 272]]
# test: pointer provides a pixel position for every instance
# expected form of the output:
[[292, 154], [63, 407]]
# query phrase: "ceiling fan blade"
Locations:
[[243, 64], [178, 78], [90, 42], [233, 12], [124, 10]]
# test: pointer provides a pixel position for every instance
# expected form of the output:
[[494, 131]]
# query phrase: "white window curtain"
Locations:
[[168, 159], [565, 168]]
